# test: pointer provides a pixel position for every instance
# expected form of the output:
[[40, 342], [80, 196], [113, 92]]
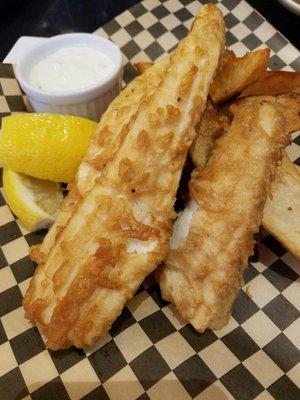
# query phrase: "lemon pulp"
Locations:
[[34, 201]]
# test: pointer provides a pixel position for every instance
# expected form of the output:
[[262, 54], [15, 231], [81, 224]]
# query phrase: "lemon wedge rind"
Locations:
[[46, 146]]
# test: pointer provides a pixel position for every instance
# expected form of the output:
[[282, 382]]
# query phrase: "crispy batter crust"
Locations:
[[281, 212], [202, 276], [119, 229], [105, 142]]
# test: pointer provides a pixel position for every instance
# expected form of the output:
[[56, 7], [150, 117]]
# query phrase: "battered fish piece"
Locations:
[[104, 144], [120, 229], [281, 216], [213, 237]]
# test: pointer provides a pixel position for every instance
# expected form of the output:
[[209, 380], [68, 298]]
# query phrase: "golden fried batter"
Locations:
[[213, 237], [120, 226], [281, 216], [103, 146]]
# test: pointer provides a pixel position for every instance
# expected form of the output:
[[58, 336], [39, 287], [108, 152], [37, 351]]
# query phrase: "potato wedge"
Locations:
[[281, 217], [210, 128], [274, 83], [238, 73]]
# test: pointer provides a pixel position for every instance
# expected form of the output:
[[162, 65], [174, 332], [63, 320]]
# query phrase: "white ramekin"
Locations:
[[89, 103], [291, 5]]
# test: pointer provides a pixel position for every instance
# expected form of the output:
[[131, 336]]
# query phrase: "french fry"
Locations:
[[238, 73], [210, 128], [281, 217], [274, 83]]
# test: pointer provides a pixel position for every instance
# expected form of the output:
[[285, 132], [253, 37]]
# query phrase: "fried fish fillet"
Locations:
[[281, 216], [213, 237], [119, 230], [103, 146]]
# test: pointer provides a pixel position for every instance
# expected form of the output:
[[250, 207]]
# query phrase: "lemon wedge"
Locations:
[[46, 146], [34, 201]]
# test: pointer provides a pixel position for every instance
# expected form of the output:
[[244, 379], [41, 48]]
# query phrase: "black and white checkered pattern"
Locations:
[[150, 352]]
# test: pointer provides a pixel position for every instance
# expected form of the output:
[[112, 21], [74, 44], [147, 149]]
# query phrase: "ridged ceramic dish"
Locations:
[[291, 5], [90, 102]]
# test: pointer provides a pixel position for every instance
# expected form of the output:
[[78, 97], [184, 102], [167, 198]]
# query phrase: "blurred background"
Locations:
[[52, 17]]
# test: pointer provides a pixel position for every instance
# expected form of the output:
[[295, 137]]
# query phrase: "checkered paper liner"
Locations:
[[150, 353]]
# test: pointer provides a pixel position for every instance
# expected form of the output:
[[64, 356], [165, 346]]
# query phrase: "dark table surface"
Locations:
[[52, 17]]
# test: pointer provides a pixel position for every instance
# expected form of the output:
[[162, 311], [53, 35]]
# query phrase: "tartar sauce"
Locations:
[[71, 69]]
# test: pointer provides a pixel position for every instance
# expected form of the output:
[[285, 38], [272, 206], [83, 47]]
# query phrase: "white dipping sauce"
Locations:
[[71, 69]]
